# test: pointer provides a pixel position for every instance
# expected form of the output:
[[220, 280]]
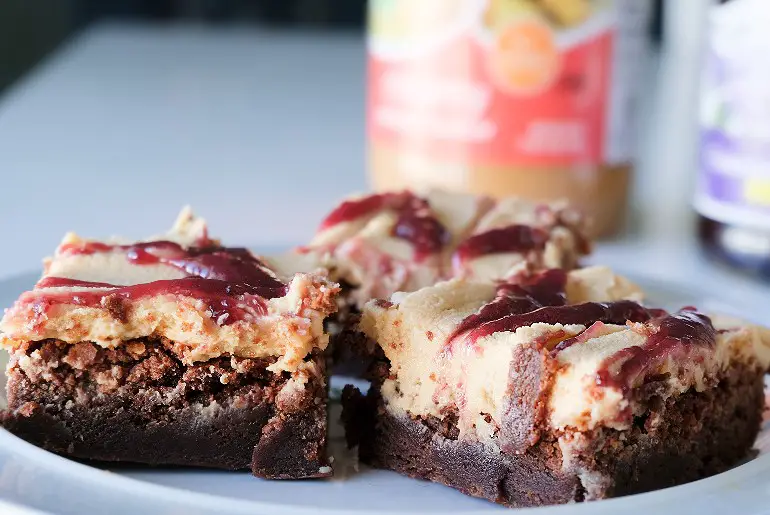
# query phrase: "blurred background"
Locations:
[[30, 30], [115, 113]]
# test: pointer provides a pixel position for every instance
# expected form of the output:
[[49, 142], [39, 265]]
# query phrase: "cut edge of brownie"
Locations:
[[352, 353], [140, 404], [681, 439]]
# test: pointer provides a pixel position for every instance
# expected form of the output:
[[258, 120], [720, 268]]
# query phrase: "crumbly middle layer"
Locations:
[[58, 374]]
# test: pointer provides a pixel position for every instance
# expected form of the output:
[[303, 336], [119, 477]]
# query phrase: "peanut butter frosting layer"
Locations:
[[461, 347], [401, 241], [205, 299]]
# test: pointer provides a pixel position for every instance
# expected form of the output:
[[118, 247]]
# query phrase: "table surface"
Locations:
[[261, 132]]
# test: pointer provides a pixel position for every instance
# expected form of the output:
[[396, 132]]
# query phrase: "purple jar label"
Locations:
[[734, 180]]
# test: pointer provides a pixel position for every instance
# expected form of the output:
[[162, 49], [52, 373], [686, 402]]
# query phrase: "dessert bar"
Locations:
[[555, 387], [173, 351]]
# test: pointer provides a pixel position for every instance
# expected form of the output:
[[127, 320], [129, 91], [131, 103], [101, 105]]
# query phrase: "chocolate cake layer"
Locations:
[[352, 353], [682, 439], [139, 403]]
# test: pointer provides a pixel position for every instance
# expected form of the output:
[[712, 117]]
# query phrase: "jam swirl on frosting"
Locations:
[[542, 299], [686, 333], [415, 223], [545, 288], [227, 302], [231, 281], [228, 264], [587, 313], [514, 238]]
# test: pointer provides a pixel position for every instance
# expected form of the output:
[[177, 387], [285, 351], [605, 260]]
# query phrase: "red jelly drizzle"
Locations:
[[543, 289], [354, 209], [547, 287], [56, 282], [235, 265], [541, 299], [422, 230], [514, 238], [85, 247], [415, 224], [583, 314], [592, 332], [223, 298], [681, 333], [230, 280], [96, 247]]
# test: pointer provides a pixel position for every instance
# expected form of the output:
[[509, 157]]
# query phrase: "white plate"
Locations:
[[33, 478]]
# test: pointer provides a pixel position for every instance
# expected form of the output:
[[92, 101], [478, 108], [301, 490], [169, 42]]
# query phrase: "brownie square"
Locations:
[[556, 387], [139, 403], [173, 351]]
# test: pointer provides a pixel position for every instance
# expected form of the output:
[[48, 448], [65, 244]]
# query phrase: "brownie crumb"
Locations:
[[117, 307], [81, 355], [28, 409], [135, 349], [154, 369]]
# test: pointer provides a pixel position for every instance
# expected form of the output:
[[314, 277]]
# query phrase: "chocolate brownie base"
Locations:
[[140, 404], [352, 352], [691, 437]]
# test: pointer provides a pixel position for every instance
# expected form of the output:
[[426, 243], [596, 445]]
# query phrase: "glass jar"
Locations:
[[507, 97], [733, 190]]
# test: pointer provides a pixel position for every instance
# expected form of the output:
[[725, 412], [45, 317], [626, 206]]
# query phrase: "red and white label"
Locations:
[[518, 89]]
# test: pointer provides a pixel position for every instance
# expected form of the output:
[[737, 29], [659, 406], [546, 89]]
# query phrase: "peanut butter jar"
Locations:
[[534, 98]]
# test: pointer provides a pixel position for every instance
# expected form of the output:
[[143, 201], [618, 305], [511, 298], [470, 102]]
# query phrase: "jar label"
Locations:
[[507, 82], [734, 179]]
